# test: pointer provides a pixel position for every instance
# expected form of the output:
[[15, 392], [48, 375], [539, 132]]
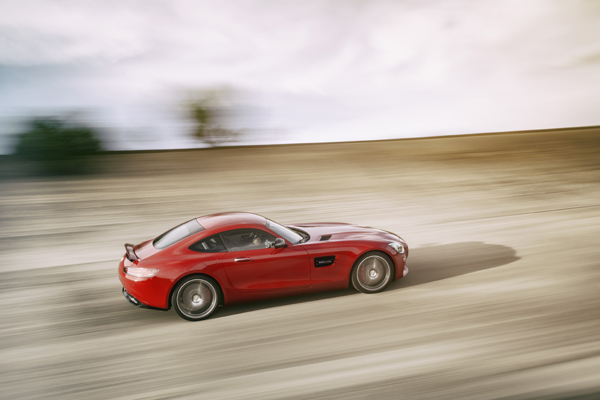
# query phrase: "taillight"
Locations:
[[140, 272]]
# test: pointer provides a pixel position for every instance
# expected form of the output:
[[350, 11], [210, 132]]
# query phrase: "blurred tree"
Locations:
[[58, 147], [209, 114]]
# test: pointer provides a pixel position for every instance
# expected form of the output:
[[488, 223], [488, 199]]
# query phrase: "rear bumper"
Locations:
[[149, 292], [138, 303]]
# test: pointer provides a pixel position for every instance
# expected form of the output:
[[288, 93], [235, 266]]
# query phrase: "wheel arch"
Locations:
[[375, 251], [198, 274]]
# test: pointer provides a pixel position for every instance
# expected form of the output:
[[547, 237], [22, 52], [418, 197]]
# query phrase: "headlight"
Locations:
[[140, 272], [397, 247]]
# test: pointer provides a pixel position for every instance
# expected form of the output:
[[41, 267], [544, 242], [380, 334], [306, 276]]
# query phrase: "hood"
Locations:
[[334, 231]]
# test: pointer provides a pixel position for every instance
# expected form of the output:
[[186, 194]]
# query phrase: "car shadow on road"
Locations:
[[436, 262], [426, 264]]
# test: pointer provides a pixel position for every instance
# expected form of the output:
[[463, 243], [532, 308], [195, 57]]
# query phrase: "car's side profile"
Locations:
[[229, 258]]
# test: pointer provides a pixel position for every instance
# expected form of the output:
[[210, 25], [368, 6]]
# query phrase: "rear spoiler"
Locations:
[[130, 252]]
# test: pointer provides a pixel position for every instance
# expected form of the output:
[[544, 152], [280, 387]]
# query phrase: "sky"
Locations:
[[300, 71]]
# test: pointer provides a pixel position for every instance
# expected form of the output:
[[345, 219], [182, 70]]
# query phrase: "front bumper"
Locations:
[[401, 268], [138, 303]]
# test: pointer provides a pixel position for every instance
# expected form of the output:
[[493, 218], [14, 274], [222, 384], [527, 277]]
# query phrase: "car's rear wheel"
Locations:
[[372, 272], [196, 298]]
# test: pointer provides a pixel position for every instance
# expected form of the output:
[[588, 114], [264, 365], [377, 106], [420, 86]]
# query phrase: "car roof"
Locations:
[[230, 218]]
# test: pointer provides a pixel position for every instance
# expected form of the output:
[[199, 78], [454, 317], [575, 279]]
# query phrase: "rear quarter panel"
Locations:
[[174, 264]]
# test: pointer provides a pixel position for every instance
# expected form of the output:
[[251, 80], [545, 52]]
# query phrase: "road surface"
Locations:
[[502, 299]]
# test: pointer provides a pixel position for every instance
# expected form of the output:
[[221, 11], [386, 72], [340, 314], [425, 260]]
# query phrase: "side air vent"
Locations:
[[326, 237], [324, 261]]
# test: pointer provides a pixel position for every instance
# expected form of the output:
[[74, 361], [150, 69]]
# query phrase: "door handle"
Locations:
[[243, 259]]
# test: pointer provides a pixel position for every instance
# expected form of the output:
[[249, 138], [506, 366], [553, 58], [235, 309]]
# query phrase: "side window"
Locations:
[[247, 239], [211, 244]]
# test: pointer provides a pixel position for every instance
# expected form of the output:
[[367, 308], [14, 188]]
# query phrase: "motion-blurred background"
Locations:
[[121, 119], [308, 71]]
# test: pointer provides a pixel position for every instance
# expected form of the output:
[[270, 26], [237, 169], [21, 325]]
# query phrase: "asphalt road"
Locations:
[[502, 299]]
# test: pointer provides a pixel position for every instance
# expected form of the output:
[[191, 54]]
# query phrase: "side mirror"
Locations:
[[279, 243]]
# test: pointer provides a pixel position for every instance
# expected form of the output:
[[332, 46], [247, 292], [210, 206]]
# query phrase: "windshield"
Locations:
[[284, 232], [176, 234]]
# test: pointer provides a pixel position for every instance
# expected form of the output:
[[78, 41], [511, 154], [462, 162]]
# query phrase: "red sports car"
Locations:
[[229, 258]]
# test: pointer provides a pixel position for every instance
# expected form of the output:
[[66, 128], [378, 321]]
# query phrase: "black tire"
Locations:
[[196, 297], [372, 272]]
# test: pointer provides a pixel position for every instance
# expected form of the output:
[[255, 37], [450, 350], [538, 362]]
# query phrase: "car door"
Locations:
[[252, 265]]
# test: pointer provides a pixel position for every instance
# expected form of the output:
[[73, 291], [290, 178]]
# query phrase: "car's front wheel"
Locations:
[[372, 272], [196, 297]]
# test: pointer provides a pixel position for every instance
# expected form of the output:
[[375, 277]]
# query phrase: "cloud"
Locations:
[[319, 69], [36, 32]]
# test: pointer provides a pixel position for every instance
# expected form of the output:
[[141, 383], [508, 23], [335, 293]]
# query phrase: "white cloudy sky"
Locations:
[[303, 70]]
